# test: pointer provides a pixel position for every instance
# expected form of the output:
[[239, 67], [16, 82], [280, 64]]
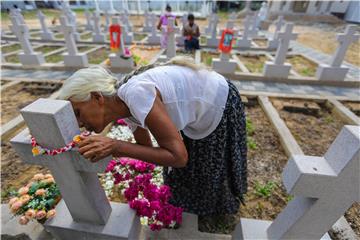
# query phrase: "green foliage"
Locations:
[[137, 59], [249, 127], [329, 119], [251, 144], [208, 60], [264, 190], [289, 198]]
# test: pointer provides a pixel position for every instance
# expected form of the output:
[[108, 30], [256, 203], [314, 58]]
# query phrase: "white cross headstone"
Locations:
[[147, 22], [46, 34], [324, 188], [107, 20], [244, 42], [154, 38], [72, 57], [111, 7], [124, 17], [21, 31], [17, 13], [98, 35], [89, 25], [120, 59], [213, 41], [127, 35], [84, 212], [171, 43], [274, 42], [263, 12], [208, 29], [184, 19], [334, 71], [253, 30], [224, 64], [278, 68]]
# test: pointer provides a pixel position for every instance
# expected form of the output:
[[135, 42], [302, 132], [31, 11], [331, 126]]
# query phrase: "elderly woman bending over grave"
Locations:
[[195, 115]]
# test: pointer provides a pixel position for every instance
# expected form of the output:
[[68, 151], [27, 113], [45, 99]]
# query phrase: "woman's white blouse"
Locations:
[[194, 100]]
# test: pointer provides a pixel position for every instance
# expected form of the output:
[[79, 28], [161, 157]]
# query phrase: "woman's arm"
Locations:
[[159, 24], [142, 137], [171, 150]]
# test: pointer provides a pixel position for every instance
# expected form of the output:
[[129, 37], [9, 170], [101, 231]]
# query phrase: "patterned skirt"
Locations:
[[215, 177]]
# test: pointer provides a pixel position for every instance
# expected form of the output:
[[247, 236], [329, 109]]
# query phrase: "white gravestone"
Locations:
[[98, 36], [46, 34], [213, 40], [84, 212], [171, 44], [273, 43], [89, 24], [119, 59], [107, 20], [278, 68], [244, 42], [224, 64], [111, 7], [127, 35], [147, 22], [71, 19], [208, 29], [17, 13], [72, 58], [154, 38], [124, 17], [324, 189], [335, 71], [263, 14], [28, 56], [180, 38]]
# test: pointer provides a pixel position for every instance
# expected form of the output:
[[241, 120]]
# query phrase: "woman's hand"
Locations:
[[96, 147]]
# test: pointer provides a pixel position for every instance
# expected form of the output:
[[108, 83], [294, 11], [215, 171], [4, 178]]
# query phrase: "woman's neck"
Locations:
[[116, 108]]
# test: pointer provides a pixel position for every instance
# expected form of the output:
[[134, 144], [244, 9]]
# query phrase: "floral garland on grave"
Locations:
[[36, 200], [39, 150]]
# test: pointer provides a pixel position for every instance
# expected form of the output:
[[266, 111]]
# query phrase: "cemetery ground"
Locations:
[[313, 123]]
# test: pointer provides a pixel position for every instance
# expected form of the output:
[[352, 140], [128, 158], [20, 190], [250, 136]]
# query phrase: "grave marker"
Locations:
[[21, 31], [324, 188], [273, 43], [213, 41], [89, 24], [72, 58], [46, 34], [244, 42], [154, 38], [98, 36], [335, 71], [278, 68], [84, 210]]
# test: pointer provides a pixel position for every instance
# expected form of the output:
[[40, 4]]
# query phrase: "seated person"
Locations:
[[191, 34]]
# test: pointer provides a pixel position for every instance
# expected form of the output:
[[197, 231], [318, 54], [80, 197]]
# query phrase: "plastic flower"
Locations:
[[38, 177], [25, 198], [48, 180], [155, 227], [13, 200], [40, 214], [121, 122], [37, 151], [40, 192], [16, 206], [51, 213], [48, 176], [23, 190], [77, 139], [23, 220], [30, 214]]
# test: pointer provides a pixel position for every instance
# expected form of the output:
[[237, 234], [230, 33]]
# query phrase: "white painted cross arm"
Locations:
[[22, 144]]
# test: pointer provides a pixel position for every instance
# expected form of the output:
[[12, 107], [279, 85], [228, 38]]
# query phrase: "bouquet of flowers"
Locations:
[[36, 200], [141, 184]]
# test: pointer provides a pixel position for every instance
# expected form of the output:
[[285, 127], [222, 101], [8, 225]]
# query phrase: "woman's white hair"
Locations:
[[79, 86], [84, 81]]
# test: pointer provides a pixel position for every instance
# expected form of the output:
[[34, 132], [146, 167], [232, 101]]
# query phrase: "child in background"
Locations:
[[191, 33]]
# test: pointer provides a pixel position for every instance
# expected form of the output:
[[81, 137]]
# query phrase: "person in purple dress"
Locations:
[[163, 22]]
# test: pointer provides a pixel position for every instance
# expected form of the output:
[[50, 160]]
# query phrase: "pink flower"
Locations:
[[142, 207], [51, 213], [151, 192], [111, 165], [165, 193], [121, 122], [155, 227], [40, 192], [38, 177], [23, 190], [16, 206], [23, 220], [25, 198], [40, 214], [131, 193], [14, 199], [30, 213], [155, 205]]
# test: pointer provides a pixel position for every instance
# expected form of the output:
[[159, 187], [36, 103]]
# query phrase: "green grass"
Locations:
[[98, 56], [11, 48], [202, 40], [59, 36], [31, 14], [84, 48], [14, 58], [329, 119], [54, 58], [250, 129], [251, 144], [46, 49], [264, 190], [86, 36], [139, 37]]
